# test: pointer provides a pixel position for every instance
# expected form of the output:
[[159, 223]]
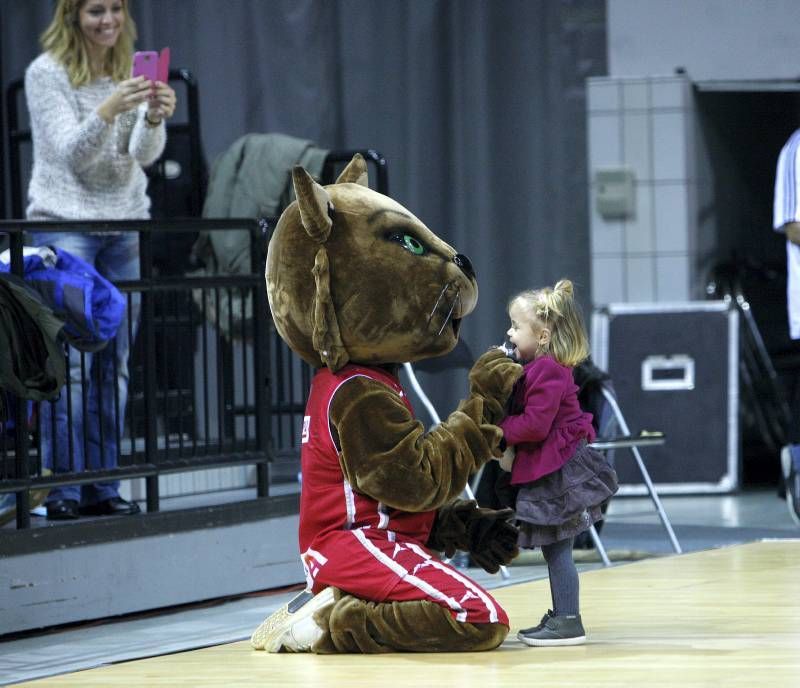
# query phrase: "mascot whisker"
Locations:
[[350, 278]]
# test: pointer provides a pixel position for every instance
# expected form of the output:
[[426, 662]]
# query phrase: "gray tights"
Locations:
[[563, 577]]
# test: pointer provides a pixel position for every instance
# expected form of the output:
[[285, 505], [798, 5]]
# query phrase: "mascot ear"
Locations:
[[316, 208], [355, 172], [314, 204]]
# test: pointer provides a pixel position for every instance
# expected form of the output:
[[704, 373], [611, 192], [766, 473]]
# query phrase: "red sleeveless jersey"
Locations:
[[328, 503]]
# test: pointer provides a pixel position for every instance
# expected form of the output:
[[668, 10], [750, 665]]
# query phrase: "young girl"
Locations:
[[561, 482]]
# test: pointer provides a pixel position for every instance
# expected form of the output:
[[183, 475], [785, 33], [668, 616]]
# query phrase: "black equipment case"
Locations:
[[675, 369]]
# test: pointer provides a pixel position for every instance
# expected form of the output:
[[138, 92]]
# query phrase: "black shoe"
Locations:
[[540, 625], [555, 631], [62, 510], [116, 506]]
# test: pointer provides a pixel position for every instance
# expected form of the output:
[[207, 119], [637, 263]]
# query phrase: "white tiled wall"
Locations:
[[646, 125]]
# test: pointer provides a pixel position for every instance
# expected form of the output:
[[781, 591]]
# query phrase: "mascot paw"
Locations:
[[292, 627], [492, 378], [487, 534], [493, 538]]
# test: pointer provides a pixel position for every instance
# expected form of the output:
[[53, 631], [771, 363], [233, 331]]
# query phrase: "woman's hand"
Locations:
[[161, 104], [126, 96]]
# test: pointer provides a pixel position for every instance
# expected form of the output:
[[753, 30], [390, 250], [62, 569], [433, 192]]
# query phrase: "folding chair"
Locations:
[[602, 443], [627, 441]]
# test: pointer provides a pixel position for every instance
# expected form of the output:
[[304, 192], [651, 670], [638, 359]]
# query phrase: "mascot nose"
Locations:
[[464, 264]]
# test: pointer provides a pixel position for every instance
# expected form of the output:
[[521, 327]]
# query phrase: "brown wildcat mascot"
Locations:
[[358, 285]]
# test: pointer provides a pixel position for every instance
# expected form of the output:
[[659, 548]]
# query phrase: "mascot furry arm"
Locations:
[[398, 462], [406, 468]]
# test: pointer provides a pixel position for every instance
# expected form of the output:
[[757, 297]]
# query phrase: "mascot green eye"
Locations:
[[409, 242]]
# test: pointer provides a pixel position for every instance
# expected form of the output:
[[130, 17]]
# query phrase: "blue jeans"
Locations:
[[92, 404]]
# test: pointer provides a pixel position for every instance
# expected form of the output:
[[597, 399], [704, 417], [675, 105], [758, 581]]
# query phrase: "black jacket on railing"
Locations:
[[31, 357]]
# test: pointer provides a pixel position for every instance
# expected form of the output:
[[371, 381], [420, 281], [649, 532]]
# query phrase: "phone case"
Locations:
[[163, 65], [145, 63]]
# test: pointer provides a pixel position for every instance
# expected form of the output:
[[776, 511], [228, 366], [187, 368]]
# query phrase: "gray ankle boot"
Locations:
[[555, 630]]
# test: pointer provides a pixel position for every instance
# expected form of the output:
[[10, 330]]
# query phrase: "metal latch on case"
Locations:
[[662, 373]]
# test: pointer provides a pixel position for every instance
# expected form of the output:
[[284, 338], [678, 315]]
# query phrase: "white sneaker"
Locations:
[[292, 627]]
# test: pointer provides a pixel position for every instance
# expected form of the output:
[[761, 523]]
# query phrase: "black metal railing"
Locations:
[[210, 382]]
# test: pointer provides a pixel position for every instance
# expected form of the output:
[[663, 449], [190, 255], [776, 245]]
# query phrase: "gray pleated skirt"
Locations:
[[565, 503]]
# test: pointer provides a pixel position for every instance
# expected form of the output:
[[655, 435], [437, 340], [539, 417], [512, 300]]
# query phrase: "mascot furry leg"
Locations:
[[342, 623]]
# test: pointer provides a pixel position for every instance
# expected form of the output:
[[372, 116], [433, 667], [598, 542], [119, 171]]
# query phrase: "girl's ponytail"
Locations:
[[557, 309]]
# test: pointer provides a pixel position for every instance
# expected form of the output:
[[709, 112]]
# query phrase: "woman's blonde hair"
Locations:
[[65, 41], [557, 309]]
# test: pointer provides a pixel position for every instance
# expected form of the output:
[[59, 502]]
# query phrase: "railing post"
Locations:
[[21, 467], [3, 185], [14, 157], [16, 242], [150, 384], [259, 235], [21, 461]]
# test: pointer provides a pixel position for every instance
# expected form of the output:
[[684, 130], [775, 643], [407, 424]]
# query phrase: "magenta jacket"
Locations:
[[545, 422]]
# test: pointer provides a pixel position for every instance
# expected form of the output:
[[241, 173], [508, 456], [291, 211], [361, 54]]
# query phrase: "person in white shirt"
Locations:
[[786, 219], [93, 128]]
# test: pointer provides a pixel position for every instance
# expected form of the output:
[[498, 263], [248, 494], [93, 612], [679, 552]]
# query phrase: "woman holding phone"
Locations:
[[94, 128]]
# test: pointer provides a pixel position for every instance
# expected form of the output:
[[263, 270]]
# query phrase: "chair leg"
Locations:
[[656, 501], [598, 544], [645, 475]]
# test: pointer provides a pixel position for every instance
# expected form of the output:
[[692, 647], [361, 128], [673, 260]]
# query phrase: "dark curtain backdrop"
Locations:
[[477, 105]]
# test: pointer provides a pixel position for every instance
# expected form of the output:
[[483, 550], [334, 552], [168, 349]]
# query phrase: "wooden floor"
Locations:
[[724, 617]]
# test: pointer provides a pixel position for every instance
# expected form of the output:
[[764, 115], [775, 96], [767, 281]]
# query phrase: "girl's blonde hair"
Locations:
[[65, 41], [557, 309]]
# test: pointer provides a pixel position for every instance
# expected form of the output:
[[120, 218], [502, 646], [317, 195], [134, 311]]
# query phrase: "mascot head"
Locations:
[[352, 276]]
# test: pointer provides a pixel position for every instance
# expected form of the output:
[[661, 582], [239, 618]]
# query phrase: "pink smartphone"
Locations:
[[145, 63]]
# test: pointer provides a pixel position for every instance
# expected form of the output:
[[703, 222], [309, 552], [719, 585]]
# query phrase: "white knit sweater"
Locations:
[[83, 167]]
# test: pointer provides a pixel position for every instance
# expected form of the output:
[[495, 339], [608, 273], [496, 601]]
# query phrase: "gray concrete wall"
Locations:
[[711, 39], [647, 119], [96, 581], [643, 125]]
